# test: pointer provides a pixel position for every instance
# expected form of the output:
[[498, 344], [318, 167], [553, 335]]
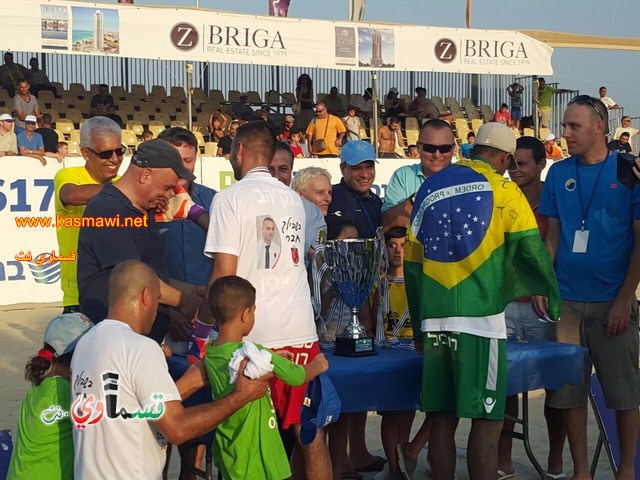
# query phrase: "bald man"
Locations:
[[126, 406]]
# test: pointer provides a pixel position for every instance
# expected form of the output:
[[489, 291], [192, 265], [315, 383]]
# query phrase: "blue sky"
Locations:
[[584, 70]]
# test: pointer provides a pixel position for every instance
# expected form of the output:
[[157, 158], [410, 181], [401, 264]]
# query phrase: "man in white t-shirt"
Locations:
[[609, 102], [284, 316], [625, 126], [125, 406]]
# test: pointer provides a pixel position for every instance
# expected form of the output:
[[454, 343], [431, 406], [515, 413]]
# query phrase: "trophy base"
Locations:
[[354, 347]]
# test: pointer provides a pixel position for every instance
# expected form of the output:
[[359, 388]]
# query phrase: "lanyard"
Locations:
[[585, 213]]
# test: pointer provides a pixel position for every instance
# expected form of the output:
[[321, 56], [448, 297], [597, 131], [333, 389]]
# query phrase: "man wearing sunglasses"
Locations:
[[435, 144], [472, 237], [594, 238], [30, 143], [75, 186], [325, 133]]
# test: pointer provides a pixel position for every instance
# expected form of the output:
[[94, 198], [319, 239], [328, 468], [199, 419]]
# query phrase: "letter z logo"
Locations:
[[445, 50], [184, 36]]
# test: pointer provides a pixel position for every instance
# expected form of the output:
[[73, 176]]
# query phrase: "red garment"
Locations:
[[502, 118], [297, 151]]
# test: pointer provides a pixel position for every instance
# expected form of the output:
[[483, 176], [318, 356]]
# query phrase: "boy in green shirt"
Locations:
[[247, 444]]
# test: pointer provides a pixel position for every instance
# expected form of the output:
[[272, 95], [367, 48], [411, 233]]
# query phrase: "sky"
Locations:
[[579, 69]]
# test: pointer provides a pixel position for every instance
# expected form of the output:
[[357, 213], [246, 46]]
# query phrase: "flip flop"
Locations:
[[351, 476], [377, 465], [556, 476], [505, 476]]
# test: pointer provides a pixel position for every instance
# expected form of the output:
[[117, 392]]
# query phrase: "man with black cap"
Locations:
[[117, 226], [468, 223]]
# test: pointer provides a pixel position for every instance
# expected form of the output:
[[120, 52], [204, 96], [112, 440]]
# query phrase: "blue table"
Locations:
[[391, 380]]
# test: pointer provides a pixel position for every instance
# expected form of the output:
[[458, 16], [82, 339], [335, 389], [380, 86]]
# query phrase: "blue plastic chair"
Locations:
[[6, 449]]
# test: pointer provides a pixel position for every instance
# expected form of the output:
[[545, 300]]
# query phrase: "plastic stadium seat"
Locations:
[[138, 91], [136, 127], [158, 91], [129, 139], [476, 123], [211, 148], [217, 96], [156, 127], [65, 126], [178, 92], [234, 96], [74, 149]]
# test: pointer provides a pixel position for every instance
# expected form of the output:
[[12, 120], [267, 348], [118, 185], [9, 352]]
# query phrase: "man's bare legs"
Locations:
[[442, 446], [627, 422], [358, 452], [482, 448], [311, 461], [338, 434], [575, 423], [395, 429]]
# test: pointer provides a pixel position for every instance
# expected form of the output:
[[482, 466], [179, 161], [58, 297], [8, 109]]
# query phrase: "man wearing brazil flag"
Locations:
[[473, 246]]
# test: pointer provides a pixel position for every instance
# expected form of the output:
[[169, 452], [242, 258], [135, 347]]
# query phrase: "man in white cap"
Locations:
[[467, 223], [553, 151], [30, 143], [8, 143]]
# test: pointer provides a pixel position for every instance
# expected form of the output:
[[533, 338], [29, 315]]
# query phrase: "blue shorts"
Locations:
[[516, 113]]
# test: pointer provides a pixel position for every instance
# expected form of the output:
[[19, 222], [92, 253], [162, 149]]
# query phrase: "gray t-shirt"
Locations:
[[29, 108]]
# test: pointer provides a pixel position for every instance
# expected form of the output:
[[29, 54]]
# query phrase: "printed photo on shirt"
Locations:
[[268, 242]]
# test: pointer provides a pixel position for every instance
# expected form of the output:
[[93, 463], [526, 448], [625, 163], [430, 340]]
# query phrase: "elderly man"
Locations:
[[625, 127], [594, 238], [8, 142], [284, 316], [101, 148], [436, 143], [325, 133], [129, 379], [118, 226], [30, 143], [455, 244]]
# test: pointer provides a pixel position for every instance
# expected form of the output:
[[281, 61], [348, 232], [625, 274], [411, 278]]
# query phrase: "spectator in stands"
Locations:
[[608, 101], [242, 109], [224, 145], [365, 105], [390, 141], [102, 104], [465, 149], [314, 184], [25, 104], [325, 133], [503, 115], [147, 135], [393, 105], [305, 101], [352, 124], [622, 144], [422, 107], [545, 97], [515, 94], [8, 143], [62, 151], [39, 79], [551, 148], [30, 143], [11, 73], [287, 128], [264, 114], [217, 124], [49, 136], [625, 127], [101, 148], [334, 103], [295, 146], [413, 151]]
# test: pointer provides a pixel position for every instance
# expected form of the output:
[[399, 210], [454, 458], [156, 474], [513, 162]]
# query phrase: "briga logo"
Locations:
[[245, 37], [446, 50], [184, 36]]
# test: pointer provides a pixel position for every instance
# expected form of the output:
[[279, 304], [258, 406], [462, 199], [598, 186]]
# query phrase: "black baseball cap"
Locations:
[[160, 154]]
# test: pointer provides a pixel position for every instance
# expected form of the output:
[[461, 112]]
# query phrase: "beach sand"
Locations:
[[21, 333]]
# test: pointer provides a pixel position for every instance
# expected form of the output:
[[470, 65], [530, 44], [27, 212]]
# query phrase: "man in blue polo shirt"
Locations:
[[594, 238], [30, 142], [436, 143], [118, 226], [352, 197]]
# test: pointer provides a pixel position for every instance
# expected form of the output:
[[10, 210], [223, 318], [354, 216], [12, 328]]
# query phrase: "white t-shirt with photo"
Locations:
[[284, 316], [119, 381]]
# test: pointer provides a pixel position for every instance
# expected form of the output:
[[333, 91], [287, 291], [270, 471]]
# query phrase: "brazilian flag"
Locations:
[[473, 246]]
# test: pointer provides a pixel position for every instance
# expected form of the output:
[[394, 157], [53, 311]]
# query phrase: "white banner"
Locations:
[[211, 36], [26, 192]]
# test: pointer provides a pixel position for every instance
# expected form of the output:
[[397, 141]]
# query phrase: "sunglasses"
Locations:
[[430, 148], [320, 111], [587, 100], [107, 154]]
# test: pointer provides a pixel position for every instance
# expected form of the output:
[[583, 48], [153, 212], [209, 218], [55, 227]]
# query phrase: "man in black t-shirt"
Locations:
[[622, 144], [49, 136], [224, 145]]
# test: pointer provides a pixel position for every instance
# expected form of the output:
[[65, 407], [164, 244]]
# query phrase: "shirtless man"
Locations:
[[390, 139]]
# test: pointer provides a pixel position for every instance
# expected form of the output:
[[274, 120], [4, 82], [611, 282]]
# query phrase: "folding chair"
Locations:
[[606, 420], [6, 449]]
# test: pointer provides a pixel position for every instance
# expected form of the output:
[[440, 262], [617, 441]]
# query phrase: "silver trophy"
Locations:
[[354, 267]]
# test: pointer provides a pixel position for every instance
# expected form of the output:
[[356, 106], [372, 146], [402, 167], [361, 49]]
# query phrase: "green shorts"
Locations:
[[465, 374]]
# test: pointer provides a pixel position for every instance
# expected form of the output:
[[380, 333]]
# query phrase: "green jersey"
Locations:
[[248, 444]]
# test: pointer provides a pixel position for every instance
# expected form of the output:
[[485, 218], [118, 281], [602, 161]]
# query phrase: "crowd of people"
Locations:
[[203, 315]]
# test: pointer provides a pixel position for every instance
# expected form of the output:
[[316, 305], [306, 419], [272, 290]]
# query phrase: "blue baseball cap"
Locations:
[[321, 407], [64, 331], [357, 151]]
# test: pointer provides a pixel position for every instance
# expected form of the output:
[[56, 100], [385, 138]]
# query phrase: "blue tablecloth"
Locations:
[[391, 380]]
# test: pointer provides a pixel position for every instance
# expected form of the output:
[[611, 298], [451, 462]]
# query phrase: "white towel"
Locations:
[[259, 362]]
